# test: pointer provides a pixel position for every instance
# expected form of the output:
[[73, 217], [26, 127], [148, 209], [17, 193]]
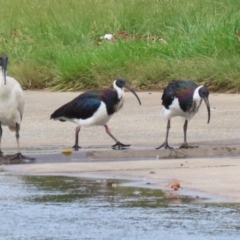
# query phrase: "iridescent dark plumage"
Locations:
[[183, 98], [86, 104], [182, 90], [94, 108]]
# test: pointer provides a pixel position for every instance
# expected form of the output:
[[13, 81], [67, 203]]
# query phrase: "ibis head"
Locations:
[[204, 93], [122, 83], [3, 64]]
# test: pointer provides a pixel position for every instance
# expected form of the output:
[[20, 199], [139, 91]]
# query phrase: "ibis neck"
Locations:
[[197, 100], [196, 96], [120, 91]]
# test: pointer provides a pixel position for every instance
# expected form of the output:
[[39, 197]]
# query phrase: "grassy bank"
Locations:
[[54, 43]]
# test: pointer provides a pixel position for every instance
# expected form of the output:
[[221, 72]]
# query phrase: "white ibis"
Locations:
[[95, 107], [11, 104], [182, 98]]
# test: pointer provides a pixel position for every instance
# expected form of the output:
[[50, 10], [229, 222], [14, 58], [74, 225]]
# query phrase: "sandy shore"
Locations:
[[219, 176], [212, 168]]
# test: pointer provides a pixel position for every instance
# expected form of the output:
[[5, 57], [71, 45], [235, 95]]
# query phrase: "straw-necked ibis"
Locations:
[[182, 98], [95, 107]]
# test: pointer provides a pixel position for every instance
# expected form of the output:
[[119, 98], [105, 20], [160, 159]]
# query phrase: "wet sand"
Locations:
[[211, 168]]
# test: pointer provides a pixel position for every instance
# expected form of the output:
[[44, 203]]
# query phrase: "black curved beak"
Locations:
[[4, 69], [208, 108], [130, 89]]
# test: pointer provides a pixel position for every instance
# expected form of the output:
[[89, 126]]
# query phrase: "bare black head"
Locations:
[[204, 93], [122, 83], [3, 64]]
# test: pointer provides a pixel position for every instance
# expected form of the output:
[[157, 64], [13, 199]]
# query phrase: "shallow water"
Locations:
[[50, 207]]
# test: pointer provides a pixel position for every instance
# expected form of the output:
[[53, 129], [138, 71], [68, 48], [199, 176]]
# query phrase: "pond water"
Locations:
[[57, 207]]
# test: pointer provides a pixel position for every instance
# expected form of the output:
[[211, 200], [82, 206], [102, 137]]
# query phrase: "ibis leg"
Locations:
[[1, 153], [76, 147], [165, 144], [17, 136], [185, 144], [118, 144], [18, 155]]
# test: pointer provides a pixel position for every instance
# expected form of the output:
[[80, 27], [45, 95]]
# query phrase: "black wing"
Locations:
[[82, 107], [168, 96], [181, 89]]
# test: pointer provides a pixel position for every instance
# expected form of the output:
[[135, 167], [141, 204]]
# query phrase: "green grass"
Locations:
[[55, 43]]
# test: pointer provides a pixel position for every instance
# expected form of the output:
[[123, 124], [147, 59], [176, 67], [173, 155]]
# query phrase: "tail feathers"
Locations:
[[59, 114]]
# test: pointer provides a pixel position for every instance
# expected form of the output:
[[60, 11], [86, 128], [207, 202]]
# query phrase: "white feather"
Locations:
[[173, 111]]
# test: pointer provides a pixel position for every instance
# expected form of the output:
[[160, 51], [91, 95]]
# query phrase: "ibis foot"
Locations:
[[186, 146], [76, 147], [20, 157], [165, 145], [120, 146]]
